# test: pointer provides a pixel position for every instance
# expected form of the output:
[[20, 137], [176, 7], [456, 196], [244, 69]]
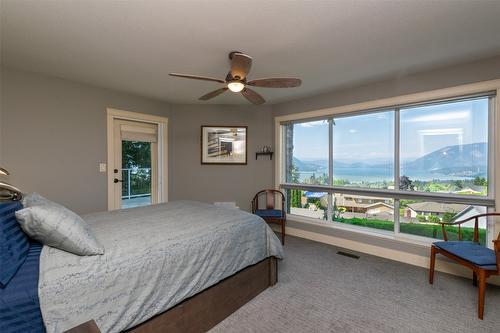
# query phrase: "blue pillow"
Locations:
[[14, 243]]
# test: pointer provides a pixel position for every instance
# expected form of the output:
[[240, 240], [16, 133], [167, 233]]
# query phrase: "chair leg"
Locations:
[[474, 279], [432, 264], [481, 289], [282, 232]]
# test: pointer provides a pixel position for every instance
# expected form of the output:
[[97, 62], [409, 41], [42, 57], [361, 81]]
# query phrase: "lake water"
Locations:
[[358, 175]]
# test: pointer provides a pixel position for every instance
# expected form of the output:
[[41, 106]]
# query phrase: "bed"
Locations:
[[163, 266]]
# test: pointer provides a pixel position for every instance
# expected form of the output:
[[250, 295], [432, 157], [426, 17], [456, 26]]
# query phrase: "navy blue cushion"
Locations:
[[470, 251], [14, 243], [19, 304], [269, 213]]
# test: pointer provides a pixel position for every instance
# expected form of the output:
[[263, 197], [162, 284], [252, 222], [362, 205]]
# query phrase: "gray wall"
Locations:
[[191, 180], [486, 69], [53, 137]]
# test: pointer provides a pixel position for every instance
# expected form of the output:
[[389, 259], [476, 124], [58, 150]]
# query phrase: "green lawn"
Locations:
[[420, 229]]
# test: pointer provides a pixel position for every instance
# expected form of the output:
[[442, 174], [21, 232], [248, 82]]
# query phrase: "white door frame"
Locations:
[[162, 123]]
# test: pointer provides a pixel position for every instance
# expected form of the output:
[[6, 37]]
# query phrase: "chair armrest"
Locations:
[[496, 248], [459, 223], [443, 228]]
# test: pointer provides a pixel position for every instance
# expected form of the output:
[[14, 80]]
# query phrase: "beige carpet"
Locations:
[[320, 291]]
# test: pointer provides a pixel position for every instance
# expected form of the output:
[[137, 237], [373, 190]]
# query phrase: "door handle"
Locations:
[[117, 180]]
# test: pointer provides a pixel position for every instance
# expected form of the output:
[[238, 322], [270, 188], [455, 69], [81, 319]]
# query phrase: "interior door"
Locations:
[[135, 170]]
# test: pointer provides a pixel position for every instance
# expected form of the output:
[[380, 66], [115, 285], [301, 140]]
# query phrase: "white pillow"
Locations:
[[57, 226], [34, 199]]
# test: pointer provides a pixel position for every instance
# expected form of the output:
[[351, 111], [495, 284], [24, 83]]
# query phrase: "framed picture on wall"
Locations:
[[224, 145]]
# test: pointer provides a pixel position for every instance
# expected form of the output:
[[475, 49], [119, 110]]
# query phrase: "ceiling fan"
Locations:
[[236, 80]]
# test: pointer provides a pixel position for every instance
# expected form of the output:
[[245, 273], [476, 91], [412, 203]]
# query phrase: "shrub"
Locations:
[[421, 218], [433, 219]]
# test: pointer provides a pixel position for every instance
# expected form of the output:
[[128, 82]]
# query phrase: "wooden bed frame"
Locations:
[[209, 307]]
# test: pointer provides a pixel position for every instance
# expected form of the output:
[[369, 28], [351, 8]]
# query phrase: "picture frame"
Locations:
[[224, 145]]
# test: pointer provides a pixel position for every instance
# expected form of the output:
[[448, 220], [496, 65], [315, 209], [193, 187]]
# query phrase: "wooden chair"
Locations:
[[271, 214], [483, 261]]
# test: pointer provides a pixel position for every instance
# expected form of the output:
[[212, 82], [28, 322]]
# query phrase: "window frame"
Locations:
[[491, 89]]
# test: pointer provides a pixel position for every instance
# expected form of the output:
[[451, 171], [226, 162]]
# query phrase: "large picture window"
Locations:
[[400, 170]]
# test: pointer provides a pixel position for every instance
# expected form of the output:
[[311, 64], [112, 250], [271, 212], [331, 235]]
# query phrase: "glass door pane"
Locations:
[[136, 174]]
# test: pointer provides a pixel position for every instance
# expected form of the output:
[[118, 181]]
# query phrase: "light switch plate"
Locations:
[[102, 167]]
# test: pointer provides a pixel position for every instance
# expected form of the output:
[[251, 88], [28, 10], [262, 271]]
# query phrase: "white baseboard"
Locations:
[[408, 258]]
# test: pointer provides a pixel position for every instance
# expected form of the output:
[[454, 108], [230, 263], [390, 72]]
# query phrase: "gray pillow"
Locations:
[[57, 226]]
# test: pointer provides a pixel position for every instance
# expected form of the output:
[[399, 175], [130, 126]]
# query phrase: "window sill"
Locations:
[[381, 234]]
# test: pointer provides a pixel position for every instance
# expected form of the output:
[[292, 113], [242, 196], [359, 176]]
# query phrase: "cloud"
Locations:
[[439, 117], [314, 123], [352, 130]]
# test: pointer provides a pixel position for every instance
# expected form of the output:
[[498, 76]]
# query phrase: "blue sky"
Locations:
[[370, 137]]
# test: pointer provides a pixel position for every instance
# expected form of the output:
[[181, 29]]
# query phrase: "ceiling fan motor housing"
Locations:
[[232, 53], [229, 78]]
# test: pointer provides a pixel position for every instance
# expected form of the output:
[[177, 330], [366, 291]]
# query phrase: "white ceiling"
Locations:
[[133, 45]]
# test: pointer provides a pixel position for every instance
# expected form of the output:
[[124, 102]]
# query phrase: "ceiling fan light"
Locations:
[[235, 86]]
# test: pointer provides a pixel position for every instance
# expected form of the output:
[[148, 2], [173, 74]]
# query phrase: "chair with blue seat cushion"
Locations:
[[271, 214], [483, 261]]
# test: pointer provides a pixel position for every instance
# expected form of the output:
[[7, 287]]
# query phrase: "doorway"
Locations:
[[137, 157]]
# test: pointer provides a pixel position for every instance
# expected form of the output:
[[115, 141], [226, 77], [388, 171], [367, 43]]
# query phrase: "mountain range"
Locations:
[[459, 160], [467, 160]]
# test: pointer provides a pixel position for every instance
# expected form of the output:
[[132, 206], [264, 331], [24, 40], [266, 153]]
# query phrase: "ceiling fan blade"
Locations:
[[252, 96], [240, 65], [213, 94], [197, 77], [276, 82]]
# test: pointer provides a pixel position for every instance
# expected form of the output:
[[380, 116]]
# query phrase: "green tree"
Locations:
[[312, 179], [315, 201], [294, 174], [295, 195], [406, 184], [459, 185], [436, 187], [434, 219], [421, 218], [405, 203], [323, 179], [480, 181], [136, 154], [448, 217], [340, 182]]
